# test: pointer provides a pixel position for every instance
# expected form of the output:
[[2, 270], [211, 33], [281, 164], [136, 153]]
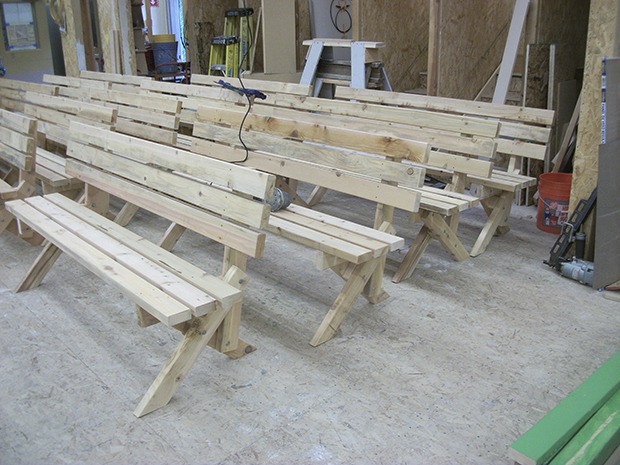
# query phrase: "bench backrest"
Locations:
[[55, 113], [122, 82], [267, 87], [17, 140], [361, 174], [13, 93], [220, 200], [151, 117], [523, 132]]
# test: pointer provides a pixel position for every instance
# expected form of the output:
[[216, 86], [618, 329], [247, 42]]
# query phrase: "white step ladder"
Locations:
[[363, 53]]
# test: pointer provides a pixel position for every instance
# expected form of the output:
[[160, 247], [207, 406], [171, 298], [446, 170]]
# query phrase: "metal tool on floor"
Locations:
[[576, 267]]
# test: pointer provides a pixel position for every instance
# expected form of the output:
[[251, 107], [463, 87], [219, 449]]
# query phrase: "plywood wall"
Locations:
[[473, 36], [565, 24], [602, 33], [403, 26]]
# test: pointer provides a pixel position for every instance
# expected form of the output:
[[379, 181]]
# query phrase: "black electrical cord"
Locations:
[[340, 7], [250, 99]]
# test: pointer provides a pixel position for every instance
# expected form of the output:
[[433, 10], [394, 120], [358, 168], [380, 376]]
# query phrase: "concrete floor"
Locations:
[[462, 359]]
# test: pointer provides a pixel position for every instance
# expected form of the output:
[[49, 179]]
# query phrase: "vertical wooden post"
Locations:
[[356, 20], [87, 35], [434, 28]]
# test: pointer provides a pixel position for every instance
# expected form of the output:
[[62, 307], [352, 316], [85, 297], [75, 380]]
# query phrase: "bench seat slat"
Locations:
[[393, 241], [223, 292], [379, 248], [159, 304], [317, 240], [198, 301]]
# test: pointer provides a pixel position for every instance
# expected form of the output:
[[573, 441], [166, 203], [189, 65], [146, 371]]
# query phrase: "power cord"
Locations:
[[341, 7], [250, 99]]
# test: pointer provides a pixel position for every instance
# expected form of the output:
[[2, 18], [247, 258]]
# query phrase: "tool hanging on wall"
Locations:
[[342, 10], [57, 12]]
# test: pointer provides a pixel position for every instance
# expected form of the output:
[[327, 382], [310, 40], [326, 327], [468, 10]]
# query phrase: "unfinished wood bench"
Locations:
[[13, 93], [388, 183], [120, 82], [523, 136], [54, 114], [221, 201], [17, 153], [336, 133]]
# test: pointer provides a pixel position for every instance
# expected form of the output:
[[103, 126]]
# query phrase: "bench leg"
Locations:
[[171, 236], [226, 339], [414, 254], [196, 337], [126, 214], [40, 267], [316, 196], [359, 276], [489, 205], [181, 361], [498, 217], [25, 232], [435, 227], [5, 219]]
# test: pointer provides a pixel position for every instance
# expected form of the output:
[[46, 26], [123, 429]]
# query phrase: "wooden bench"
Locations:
[[388, 183], [54, 114], [120, 82], [218, 200], [337, 134], [583, 428], [17, 153], [13, 93], [523, 136]]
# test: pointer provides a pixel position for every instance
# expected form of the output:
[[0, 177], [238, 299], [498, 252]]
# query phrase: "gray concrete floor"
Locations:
[[462, 359]]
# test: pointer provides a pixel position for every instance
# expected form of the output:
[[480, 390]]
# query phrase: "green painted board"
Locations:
[[597, 440], [544, 440]]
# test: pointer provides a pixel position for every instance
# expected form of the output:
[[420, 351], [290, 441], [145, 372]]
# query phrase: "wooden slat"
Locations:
[[231, 176], [209, 197], [319, 241], [19, 159], [542, 442], [197, 300], [394, 242], [449, 105], [460, 164], [260, 84], [162, 306], [84, 109], [17, 122], [224, 293], [113, 77], [331, 178], [219, 229], [374, 167], [331, 135]]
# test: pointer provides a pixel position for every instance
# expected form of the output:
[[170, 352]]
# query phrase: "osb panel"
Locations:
[[473, 36], [537, 84], [601, 37], [565, 24], [108, 22], [403, 26], [69, 41]]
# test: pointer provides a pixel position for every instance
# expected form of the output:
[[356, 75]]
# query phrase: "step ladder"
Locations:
[[362, 71], [230, 51]]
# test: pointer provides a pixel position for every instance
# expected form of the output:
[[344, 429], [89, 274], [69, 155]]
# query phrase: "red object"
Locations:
[[154, 2], [553, 199]]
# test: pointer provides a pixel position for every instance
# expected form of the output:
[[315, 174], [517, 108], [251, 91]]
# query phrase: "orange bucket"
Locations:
[[553, 201]]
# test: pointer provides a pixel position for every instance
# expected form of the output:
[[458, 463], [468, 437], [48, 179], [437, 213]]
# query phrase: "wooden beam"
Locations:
[[542, 442], [510, 51], [434, 36]]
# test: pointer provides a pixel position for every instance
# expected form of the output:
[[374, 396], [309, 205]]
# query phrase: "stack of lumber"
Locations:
[[584, 428]]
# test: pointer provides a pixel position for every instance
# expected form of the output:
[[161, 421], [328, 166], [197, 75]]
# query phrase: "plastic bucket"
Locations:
[[553, 200], [158, 38], [164, 52]]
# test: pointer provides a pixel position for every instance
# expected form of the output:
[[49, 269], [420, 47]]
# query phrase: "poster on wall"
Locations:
[[19, 27]]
